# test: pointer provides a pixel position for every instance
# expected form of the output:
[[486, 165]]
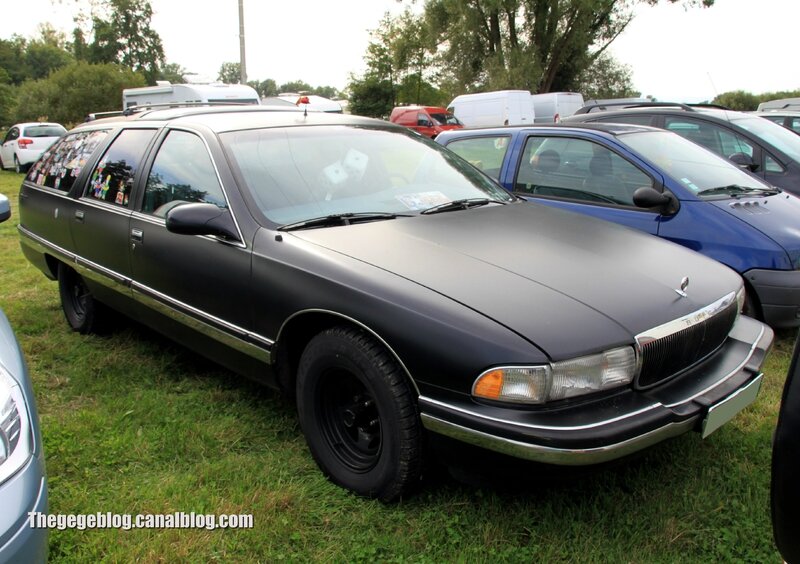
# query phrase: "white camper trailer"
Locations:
[[165, 93], [781, 104], [486, 109]]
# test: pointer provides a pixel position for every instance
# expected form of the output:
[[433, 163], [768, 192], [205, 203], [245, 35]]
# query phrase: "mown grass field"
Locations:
[[133, 424]]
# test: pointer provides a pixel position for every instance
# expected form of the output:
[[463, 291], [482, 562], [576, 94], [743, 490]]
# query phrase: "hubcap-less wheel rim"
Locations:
[[78, 295], [349, 420]]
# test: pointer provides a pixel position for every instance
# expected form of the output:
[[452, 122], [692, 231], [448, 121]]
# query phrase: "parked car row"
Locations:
[[396, 292]]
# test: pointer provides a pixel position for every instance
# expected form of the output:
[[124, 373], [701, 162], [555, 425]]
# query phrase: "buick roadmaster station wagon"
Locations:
[[394, 290]]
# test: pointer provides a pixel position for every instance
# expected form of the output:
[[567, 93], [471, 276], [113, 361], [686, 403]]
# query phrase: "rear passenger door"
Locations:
[[100, 218], [585, 176], [188, 278]]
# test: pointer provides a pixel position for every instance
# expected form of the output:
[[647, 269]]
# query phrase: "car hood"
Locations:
[[775, 216], [566, 282]]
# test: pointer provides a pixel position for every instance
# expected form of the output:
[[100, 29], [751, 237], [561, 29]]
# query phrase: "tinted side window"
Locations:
[[112, 178], [577, 169], [63, 162], [794, 125], [486, 153], [711, 136], [182, 172]]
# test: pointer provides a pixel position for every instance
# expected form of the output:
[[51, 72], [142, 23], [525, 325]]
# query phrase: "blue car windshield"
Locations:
[[299, 173], [695, 167], [774, 134]]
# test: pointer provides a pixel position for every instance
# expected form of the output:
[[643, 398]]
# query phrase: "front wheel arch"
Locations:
[[298, 330]]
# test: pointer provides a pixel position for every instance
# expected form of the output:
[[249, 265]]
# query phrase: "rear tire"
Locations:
[[18, 168], [359, 415], [83, 313]]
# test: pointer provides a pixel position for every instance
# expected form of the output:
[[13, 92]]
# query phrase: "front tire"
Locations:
[[358, 414], [83, 313]]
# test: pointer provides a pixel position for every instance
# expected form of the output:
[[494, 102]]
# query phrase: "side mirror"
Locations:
[[5, 208], [201, 219], [743, 161], [649, 198]]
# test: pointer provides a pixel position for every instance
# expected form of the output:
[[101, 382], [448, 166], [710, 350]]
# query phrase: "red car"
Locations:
[[429, 121]]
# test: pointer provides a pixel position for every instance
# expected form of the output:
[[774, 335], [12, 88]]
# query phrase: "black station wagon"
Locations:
[[374, 276]]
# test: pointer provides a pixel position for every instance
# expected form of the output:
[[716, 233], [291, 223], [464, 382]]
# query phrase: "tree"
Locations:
[[7, 99], [124, 36], [295, 86], [12, 58], [539, 45], [264, 88], [172, 72], [72, 92], [606, 78], [370, 96], [46, 53], [738, 100], [229, 73]]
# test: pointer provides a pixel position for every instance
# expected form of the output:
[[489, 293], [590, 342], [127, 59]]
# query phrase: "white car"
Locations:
[[25, 142]]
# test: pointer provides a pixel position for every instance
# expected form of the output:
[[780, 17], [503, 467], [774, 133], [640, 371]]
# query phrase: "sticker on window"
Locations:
[[422, 200]]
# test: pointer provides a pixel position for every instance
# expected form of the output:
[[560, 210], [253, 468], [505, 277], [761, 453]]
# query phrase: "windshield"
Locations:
[[44, 131], [445, 119], [698, 169], [301, 173], [774, 134]]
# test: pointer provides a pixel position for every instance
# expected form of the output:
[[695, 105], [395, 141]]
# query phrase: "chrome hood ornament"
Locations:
[[684, 284]]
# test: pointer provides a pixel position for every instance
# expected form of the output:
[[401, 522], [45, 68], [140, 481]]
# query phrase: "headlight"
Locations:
[[558, 380], [16, 443]]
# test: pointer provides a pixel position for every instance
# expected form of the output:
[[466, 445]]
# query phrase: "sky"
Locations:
[[675, 53]]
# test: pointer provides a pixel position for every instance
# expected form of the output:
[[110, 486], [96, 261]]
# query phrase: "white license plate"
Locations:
[[724, 411]]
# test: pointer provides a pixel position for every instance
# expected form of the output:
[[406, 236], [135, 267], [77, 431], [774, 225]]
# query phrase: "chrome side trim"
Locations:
[[240, 339], [231, 336], [550, 455], [686, 321], [365, 328], [540, 427]]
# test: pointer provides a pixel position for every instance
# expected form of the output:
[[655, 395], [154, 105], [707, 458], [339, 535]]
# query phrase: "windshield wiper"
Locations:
[[464, 204], [736, 190], [339, 219]]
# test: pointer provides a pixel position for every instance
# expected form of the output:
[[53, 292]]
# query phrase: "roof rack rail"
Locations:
[[608, 105], [136, 108], [97, 115]]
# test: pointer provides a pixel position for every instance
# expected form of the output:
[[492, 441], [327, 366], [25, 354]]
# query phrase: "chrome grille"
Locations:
[[671, 348]]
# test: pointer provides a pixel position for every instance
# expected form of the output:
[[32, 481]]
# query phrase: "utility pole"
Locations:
[[242, 65]]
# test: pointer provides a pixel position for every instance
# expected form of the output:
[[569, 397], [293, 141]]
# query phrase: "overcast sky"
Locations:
[[675, 53]]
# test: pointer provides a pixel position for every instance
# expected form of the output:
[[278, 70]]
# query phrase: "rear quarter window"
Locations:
[[61, 164]]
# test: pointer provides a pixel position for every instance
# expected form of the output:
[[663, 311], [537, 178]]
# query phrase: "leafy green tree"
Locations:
[[12, 58], [295, 86], [7, 99], [738, 100], [229, 73], [72, 92], [370, 96], [606, 78], [267, 87], [124, 36], [172, 72], [539, 45], [326, 92]]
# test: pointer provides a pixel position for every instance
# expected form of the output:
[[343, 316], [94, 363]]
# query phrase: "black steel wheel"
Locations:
[[359, 415], [84, 314]]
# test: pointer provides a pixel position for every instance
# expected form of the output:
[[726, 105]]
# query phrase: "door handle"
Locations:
[[79, 216], [137, 235]]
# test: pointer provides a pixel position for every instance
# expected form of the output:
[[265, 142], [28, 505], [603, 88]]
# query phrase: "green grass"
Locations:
[[133, 424]]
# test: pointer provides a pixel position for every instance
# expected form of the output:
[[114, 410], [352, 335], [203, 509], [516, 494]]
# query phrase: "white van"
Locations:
[[551, 107], [782, 104], [486, 109], [164, 93]]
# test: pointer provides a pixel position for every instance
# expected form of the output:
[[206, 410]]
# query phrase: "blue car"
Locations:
[[23, 486], [658, 182]]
